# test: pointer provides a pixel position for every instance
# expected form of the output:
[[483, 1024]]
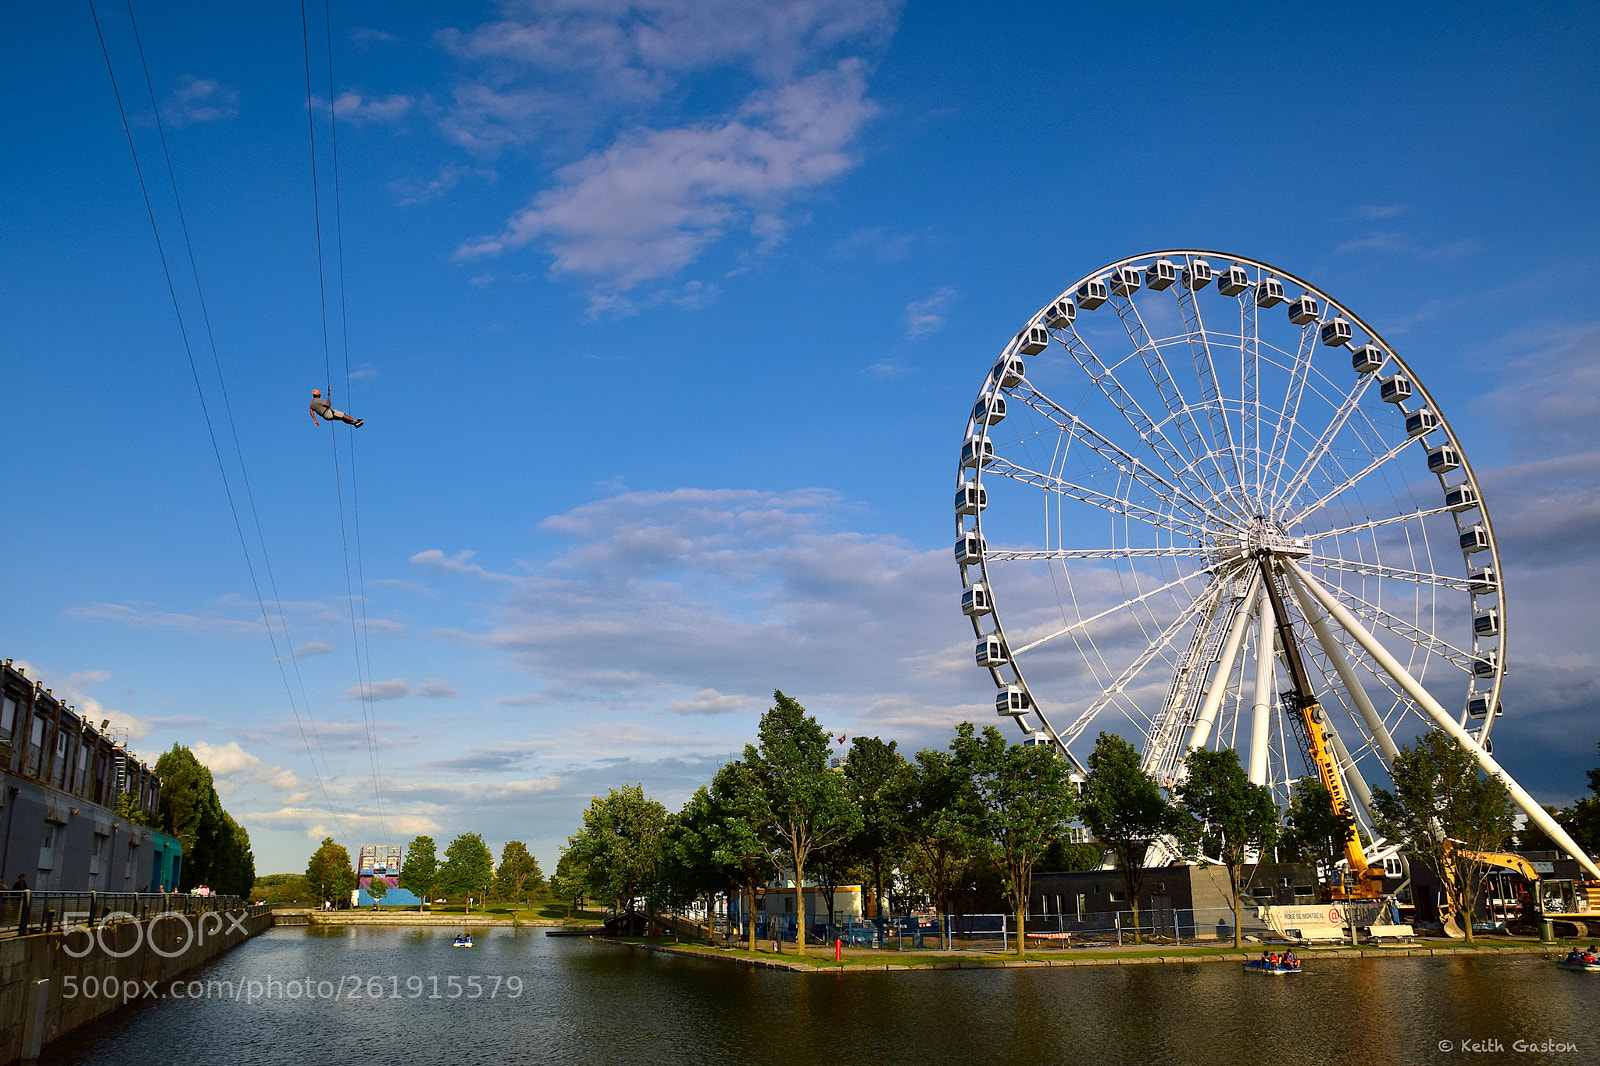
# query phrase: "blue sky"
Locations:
[[665, 320]]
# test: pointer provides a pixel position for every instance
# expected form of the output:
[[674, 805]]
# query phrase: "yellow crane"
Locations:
[[1362, 880]]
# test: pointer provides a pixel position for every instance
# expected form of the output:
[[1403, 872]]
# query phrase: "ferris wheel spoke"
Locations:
[[1167, 388], [1348, 483], [1376, 615], [1196, 552], [1130, 466], [1201, 603], [1288, 418], [1222, 442], [1250, 376], [1083, 623], [1105, 379], [1162, 520], [1376, 522], [1416, 577], [1315, 454]]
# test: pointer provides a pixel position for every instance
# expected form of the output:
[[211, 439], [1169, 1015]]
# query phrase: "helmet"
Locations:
[[316, 392]]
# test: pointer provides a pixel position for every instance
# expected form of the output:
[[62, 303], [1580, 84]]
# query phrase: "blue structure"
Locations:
[[166, 862]]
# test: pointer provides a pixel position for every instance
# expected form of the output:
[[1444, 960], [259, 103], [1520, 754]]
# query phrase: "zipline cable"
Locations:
[[363, 689], [205, 411], [222, 383]]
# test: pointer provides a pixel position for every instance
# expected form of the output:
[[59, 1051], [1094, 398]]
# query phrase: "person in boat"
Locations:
[[324, 407], [1289, 961]]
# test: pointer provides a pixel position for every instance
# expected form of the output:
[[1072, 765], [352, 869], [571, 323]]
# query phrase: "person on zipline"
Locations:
[[322, 407]]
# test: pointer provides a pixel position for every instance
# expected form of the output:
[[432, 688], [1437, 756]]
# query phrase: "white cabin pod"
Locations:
[[1421, 421], [1160, 274], [1233, 280], [977, 451], [1487, 623], [1197, 275], [969, 549], [975, 600], [1460, 497], [1478, 706], [1482, 581], [1060, 314], [990, 651], [1038, 739], [1396, 388], [1474, 539], [1486, 664], [1092, 293], [1303, 309], [1269, 292], [1126, 280], [1365, 359], [971, 498], [1443, 459], [990, 411], [1009, 371], [1012, 700], [1033, 340]]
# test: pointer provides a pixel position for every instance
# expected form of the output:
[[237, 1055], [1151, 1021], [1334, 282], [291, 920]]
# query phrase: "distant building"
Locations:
[[62, 774], [380, 859]]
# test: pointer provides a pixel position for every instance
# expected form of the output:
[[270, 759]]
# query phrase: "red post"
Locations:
[[838, 950]]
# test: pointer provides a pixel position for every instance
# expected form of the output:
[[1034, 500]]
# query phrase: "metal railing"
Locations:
[[31, 912]]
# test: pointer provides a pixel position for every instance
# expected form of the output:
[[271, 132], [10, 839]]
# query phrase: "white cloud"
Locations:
[[397, 689], [73, 689], [436, 689], [409, 192], [459, 563], [199, 100], [232, 767], [927, 315], [648, 205], [313, 648], [709, 701], [361, 110]]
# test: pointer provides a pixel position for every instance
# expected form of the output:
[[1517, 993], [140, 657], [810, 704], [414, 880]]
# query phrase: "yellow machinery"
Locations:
[[1362, 880]]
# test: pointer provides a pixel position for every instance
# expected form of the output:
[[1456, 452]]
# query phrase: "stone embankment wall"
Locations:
[[130, 956]]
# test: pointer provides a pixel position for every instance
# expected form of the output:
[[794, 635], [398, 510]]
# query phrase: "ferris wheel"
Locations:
[[1160, 440]]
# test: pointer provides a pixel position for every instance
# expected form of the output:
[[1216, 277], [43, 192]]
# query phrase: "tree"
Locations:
[[938, 795], [420, 869], [1313, 831], [1125, 809], [190, 810], [518, 873], [879, 779], [468, 867], [619, 845], [1024, 802], [1447, 811], [810, 804], [567, 884], [234, 871], [329, 872], [741, 824], [1582, 819], [377, 888], [691, 866], [1232, 817]]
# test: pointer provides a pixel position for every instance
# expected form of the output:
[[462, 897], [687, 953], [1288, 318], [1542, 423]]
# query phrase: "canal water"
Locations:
[[400, 996]]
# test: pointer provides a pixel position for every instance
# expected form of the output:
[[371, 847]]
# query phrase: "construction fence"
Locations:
[[998, 932]]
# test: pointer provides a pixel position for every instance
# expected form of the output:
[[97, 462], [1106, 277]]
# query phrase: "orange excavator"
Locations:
[[1362, 880]]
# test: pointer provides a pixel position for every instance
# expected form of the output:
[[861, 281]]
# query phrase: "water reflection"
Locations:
[[586, 1003]]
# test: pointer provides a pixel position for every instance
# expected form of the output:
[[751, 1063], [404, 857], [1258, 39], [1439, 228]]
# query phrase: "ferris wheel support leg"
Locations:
[[1260, 718], [1219, 681], [1530, 806], [1347, 674]]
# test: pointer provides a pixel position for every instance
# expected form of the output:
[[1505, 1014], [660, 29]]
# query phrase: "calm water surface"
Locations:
[[591, 1003]]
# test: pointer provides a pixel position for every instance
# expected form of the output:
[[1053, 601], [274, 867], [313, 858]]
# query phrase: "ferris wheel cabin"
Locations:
[[971, 498], [1012, 701], [978, 451], [1126, 280], [1033, 340], [1060, 314], [1365, 359], [990, 411], [991, 651], [969, 549], [975, 601], [1197, 275], [1233, 280], [1160, 274], [1092, 294], [1303, 309]]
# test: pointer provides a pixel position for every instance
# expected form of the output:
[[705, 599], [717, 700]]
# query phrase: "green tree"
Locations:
[[1313, 831], [741, 826], [377, 888], [1124, 808], [938, 795], [1582, 819], [468, 867], [234, 871], [1447, 811], [692, 868], [329, 872], [1232, 817], [879, 779], [1025, 801], [216, 849], [567, 883], [284, 889], [518, 873], [619, 845], [420, 869], [810, 805]]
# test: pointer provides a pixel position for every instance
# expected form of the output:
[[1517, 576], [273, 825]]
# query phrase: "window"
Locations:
[[36, 738], [1119, 897], [8, 717]]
